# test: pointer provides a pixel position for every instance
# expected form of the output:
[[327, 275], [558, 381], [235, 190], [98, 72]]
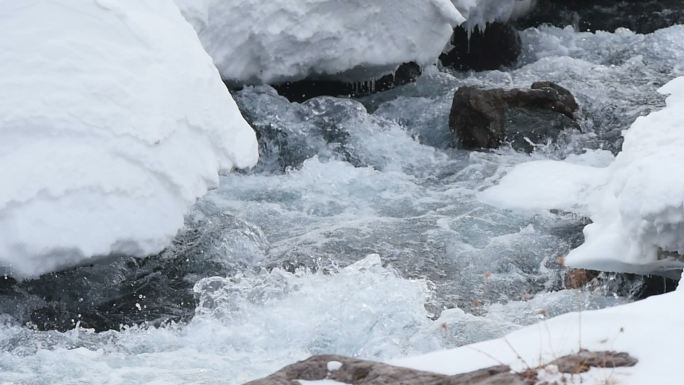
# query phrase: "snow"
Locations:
[[253, 41], [334, 366], [636, 203], [321, 382], [480, 12], [649, 330], [113, 120]]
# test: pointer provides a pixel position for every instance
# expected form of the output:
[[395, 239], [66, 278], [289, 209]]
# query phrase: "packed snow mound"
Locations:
[[256, 41], [480, 12], [113, 120], [636, 203]]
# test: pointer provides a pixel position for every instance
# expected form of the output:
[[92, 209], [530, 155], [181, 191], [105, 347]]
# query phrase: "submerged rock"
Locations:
[[641, 16], [482, 119], [633, 286], [497, 45]]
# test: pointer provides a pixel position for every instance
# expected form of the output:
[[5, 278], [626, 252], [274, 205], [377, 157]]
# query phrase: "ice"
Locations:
[[255, 42], [113, 122], [480, 12]]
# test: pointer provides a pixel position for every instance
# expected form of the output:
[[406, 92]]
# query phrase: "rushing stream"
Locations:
[[360, 231]]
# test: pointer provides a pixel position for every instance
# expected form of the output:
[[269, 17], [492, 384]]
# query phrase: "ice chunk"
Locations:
[[256, 41], [113, 120]]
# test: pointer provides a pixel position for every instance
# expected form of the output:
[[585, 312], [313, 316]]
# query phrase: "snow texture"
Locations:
[[113, 120], [649, 330], [256, 41], [636, 204], [480, 12]]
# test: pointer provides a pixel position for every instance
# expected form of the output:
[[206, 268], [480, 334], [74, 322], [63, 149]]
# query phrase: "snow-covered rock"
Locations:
[[256, 41], [636, 203], [113, 120]]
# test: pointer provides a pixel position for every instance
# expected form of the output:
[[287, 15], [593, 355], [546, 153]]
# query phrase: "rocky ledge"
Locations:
[[354, 371]]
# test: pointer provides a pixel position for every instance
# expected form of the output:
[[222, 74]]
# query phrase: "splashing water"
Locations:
[[364, 234]]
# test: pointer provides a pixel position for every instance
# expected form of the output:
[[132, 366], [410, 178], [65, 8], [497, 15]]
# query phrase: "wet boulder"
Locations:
[[494, 46], [487, 118]]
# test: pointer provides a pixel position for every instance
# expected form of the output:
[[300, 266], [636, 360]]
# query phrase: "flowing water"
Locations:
[[360, 231]]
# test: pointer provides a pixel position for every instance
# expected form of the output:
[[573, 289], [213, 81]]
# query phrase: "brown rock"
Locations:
[[585, 360], [579, 278], [361, 372], [482, 119]]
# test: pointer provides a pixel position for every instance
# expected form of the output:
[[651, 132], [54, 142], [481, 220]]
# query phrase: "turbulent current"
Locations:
[[361, 233]]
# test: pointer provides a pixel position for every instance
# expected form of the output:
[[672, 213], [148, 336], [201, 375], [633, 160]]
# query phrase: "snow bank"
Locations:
[[649, 330], [113, 120], [256, 41], [636, 203], [480, 12]]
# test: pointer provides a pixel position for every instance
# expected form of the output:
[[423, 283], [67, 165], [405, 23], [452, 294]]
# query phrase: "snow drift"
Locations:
[[649, 330], [256, 41], [636, 203], [113, 120]]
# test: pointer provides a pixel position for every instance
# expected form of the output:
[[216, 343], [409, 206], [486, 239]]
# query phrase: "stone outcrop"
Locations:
[[496, 45], [354, 371], [484, 119]]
